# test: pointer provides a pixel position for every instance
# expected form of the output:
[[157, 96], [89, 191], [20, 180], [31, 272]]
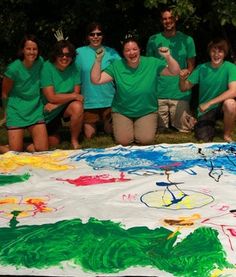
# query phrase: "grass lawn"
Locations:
[[103, 141]]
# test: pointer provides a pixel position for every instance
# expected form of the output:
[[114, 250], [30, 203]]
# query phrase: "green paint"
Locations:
[[105, 247], [14, 221], [11, 179]]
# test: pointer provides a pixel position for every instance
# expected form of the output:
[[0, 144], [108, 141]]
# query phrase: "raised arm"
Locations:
[[172, 65], [97, 76], [230, 93]]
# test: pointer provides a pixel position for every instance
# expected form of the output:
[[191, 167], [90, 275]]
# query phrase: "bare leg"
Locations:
[[89, 130], [40, 138], [15, 138], [75, 112], [4, 149], [229, 108]]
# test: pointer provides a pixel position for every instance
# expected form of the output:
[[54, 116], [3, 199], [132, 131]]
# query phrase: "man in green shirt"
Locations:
[[174, 110]]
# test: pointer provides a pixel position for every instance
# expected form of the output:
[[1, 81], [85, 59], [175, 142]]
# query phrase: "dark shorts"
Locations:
[[204, 129], [54, 126], [93, 116]]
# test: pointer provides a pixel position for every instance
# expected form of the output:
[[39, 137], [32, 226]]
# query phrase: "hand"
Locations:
[[203, 107], [100, 53], [184, 73], [164, 51], [49, 107], [79, 97]]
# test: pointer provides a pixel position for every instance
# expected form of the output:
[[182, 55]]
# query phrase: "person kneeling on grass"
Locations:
[[60, 83], [134, 107], [217, 91], [23, 108]]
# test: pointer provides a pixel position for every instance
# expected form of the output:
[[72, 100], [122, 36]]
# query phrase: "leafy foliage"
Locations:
[[201, 19]]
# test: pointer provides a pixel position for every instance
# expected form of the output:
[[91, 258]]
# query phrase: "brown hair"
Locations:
[[31, 37], [219, 43], [58, 47]]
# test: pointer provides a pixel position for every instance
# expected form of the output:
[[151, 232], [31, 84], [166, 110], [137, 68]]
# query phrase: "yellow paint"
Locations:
[[184, 221], [28, 206], [223, 272], [49, 160]]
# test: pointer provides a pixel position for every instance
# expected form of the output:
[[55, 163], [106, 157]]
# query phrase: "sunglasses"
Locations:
[[93, 34], [68, 55]]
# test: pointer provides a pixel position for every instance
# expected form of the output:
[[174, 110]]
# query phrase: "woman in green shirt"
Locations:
[[134, 107], [60, 83], [21, 98]]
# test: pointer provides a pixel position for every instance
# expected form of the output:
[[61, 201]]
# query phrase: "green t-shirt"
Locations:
[[181, 47], [62, 81], [24, 105], [136, 93], [212, 81]]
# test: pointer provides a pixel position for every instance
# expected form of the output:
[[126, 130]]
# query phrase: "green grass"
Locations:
[[102, 141]]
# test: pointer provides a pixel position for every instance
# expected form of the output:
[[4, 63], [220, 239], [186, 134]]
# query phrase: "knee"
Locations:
[[145, 140], [124, 141], [53, 140], [229, 106], [76, 108]]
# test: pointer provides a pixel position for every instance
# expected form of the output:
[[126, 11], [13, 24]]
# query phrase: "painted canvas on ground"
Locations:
[[163, 210]]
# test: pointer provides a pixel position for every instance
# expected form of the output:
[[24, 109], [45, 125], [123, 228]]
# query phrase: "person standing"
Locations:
[[21, 99], [174, 106], [60, 83], [97, 98], [134, 107], [217, 91]]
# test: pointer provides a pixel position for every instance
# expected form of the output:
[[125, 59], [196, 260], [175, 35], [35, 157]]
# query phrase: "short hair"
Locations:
[[131, 37], [92, 26], [58, 47], [27, 37], [219, 43]]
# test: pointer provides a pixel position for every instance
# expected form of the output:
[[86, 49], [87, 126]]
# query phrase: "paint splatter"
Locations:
[[94, 180], [50, 161], [155, 159], [15, 207], [105, 247], [11, 179]]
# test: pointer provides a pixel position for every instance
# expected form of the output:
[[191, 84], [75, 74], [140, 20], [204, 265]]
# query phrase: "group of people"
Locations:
[[132, 96]]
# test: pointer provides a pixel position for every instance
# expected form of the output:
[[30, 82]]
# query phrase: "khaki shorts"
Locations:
[[140, 130], [175, 113], [93, 116]]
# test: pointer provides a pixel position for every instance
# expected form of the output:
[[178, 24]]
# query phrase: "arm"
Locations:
[[172, 65], [190, 66], [61, 98], [7, 85], [97, 76], [51, 106], [184, 84], [230, 93]]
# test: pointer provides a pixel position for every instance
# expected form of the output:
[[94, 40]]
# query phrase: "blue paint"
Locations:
[[156, 159]]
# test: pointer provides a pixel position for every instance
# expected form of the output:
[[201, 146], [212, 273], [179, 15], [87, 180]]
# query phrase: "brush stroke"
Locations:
[[106, 247], [94, 180]]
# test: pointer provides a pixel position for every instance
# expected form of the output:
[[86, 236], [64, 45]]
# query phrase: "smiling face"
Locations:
[[217, 56], [168, 21], [30, 52], [131, 52], [95, 38], [64, 59]]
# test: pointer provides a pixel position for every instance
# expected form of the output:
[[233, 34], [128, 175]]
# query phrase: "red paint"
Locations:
[[94, 180]]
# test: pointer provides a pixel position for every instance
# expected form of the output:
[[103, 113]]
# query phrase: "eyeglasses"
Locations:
[[62, 55], [93, 34]]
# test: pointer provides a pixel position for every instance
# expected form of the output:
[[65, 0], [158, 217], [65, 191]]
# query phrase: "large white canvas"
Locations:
[[185, 190]]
